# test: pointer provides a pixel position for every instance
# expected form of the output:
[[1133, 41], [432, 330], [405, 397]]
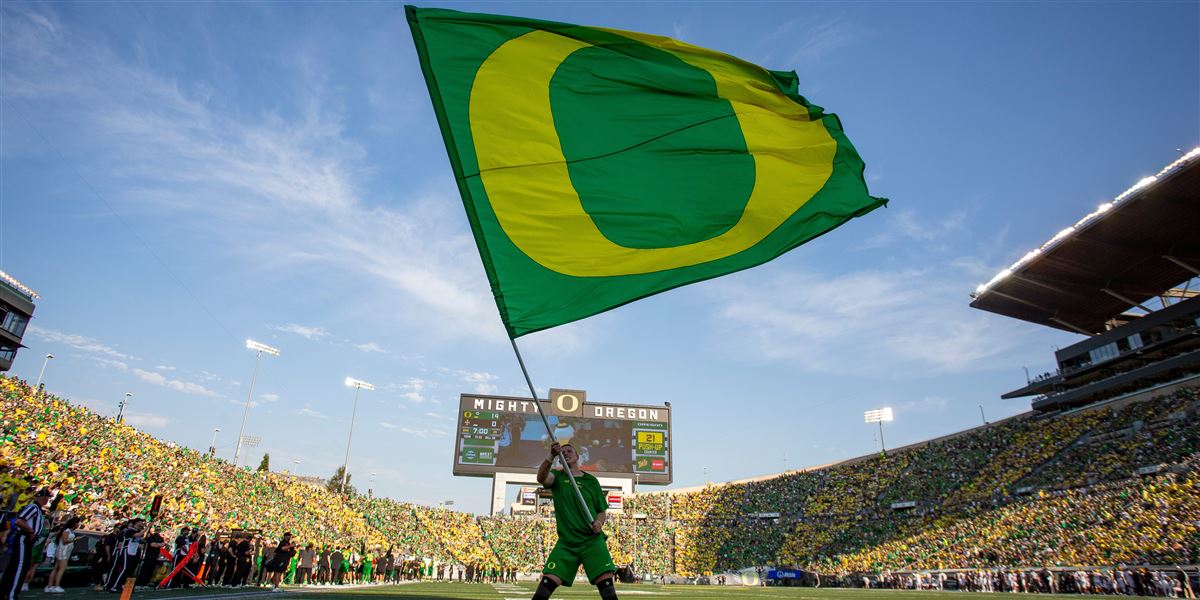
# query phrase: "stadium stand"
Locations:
[[1107, 485]]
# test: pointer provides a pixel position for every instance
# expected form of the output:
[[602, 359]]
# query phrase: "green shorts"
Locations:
[[564, 560]]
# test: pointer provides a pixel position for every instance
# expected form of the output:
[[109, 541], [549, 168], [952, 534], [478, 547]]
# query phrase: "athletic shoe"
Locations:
[[24, 587]]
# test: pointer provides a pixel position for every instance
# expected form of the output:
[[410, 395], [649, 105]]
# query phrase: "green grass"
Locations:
[[524, 591]]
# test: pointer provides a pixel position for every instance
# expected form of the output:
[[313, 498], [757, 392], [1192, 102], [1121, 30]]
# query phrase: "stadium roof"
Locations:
[[17, 286], [1132, 249]]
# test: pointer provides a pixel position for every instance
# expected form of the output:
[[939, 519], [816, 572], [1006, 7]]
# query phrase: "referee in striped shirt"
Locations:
[[27, 526]]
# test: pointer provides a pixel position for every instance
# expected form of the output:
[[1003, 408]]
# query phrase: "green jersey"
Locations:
[[572, 524]]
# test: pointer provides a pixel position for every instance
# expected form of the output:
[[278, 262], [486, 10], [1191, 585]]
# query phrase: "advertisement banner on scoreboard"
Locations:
[[504, 434], [616, 500]]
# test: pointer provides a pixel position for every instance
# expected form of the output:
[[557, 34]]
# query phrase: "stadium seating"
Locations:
[[1114, 484]]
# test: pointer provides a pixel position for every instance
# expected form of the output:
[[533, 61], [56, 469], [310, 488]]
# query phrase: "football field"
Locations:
[[520, 591]]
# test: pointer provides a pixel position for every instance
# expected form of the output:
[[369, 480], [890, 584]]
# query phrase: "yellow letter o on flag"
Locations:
[[524, 172]]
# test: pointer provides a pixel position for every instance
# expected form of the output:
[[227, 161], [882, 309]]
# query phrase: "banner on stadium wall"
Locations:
[[784, 574], [529, 496], [616, 500]]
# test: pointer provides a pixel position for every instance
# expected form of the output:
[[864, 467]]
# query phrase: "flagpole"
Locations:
[[538, 403]]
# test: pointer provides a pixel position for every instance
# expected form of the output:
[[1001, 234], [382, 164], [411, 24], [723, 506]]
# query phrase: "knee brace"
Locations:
[[608, 591], [544, 589]]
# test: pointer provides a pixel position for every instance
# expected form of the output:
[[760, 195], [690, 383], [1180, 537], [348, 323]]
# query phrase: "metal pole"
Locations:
[[346, 461], [981, 416], [636, 480], [121, 408], [237, 452], [538, 403], [213, 445], [42, 372], [882, 447]]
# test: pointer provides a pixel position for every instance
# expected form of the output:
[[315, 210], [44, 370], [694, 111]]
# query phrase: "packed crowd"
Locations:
[[1006, 494], [1113, 485]]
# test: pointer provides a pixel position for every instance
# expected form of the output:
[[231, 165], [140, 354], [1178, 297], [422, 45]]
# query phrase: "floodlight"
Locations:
[[358, 383], [260, 349], [253, 345], [881, 415], [12, 281]]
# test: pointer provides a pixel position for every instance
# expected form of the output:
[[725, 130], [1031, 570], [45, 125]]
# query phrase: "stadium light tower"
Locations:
[[358, 386], [212, 448], [42, 372], [879, 416], [121, 408], [260, 349]]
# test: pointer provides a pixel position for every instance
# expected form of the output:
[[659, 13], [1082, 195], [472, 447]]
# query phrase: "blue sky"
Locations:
[[178, 177]]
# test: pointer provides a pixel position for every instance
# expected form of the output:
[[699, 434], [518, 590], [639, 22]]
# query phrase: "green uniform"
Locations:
[[576, 542]]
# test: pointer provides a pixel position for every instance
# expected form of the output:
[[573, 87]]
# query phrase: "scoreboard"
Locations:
[[501, 434]]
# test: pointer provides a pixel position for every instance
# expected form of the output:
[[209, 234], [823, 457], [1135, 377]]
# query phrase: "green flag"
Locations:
[[599, 166]]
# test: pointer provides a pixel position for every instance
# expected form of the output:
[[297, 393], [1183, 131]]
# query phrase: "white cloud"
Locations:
[[147, 420], [261, 400], [311, 333], [108, 362], [421, 432], [164, 368], [370, 347], [818, 41], [285, 189], [412, 391], [78, 342], [679, 30], [910, 321], [307, 411], [484, 382], [926, 404], [904, 226], [568, 340], [178, 385]]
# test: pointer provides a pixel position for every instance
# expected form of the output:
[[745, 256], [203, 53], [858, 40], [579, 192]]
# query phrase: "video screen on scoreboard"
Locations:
[[497, 434]]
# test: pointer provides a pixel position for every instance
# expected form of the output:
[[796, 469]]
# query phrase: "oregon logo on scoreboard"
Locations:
[[567, 403]]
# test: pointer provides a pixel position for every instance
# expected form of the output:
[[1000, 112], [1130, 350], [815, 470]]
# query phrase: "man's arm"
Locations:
[[544, 476], [598, 524], [23, 526]]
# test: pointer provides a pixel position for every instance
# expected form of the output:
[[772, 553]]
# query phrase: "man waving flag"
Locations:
[[599, 166]]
